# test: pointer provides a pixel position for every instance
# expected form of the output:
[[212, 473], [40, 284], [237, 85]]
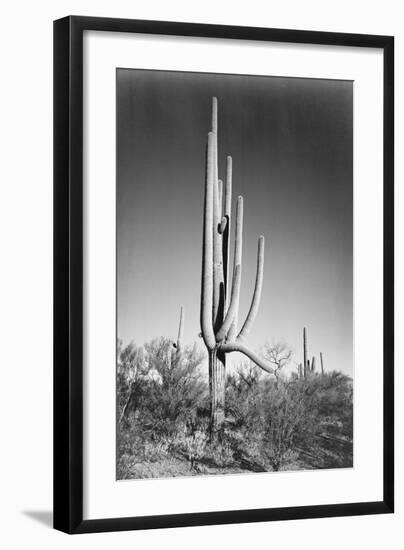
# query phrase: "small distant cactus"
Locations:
[[308, 367], [178, 345], [313, 365], [300, 370]]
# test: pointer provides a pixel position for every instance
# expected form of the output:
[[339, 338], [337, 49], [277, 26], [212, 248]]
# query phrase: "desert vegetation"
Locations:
[[270, 423]]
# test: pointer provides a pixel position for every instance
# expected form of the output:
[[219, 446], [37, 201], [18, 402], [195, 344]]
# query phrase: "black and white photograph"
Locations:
[[234, 274], [201, 275]]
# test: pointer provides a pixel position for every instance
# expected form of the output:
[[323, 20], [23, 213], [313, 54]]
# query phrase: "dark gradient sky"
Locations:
[[291, 142]]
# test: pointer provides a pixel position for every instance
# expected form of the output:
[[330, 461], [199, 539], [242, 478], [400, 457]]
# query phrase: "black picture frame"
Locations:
[[68, 273]]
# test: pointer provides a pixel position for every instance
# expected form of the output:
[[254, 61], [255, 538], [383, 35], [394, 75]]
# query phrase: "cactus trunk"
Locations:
[[217, 376]]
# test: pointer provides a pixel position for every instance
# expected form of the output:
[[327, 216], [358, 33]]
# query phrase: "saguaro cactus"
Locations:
[[305, 360], [219, 308], [313, 365], [321, 363], [178, 345]]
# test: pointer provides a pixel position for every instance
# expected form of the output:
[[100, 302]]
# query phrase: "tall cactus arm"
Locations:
[[229, 347], [207, 254], [257, 292], [214, 115], [218, 279], [238, 243], [228, 320], [227, 197], [217, 215], [238, 252], [214, 131], [220, 193], [228, 186], [321, 362], [225, 227]]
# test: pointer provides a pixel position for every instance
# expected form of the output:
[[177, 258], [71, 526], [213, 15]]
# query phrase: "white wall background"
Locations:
[[26, 272]]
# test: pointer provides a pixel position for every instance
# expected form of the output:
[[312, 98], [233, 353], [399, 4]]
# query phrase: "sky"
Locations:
[[291, 140]]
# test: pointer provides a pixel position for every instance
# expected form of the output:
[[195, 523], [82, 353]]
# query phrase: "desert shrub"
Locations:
[[273, 418], [156, 450], [131, 369], [166, 391], [243, 394], [179, 391], [125, 466], [161, 402], [221, 450], [195, 445], [270, 423], [279, 355], [286, 422], [333, 399]]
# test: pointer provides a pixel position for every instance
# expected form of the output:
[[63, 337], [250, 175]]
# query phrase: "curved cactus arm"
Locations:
[[229, 347], [207, 254], [218, 279], [238, 250], [228, 320], [257, 292]]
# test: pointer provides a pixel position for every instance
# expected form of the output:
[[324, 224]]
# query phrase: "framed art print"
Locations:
[[223, 269]]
